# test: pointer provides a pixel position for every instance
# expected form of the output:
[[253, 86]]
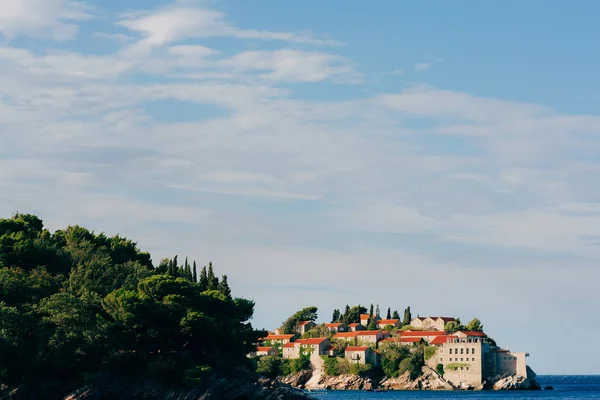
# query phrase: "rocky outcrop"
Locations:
[[219, 389], [345, 382], [298, 380], [516, 382], [429, 380]]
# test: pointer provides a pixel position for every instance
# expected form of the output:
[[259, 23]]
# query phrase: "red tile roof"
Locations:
[[401, 340], [422, 333], [264, 348], [347, 334], [365, 316], [304, 323], [289, 345], [442, 339], [278, 337], [448, 319], [357, 348], [387, 321], [367, 333], [333, 324], [311, 341], [354, 324]]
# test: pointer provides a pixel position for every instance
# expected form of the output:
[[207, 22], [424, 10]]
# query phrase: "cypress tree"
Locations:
[[407, 316], [389, 314], [395, 315], [336, 316], [195, 273], [203, 279], [213, 281], [223, 287], [371, 311]]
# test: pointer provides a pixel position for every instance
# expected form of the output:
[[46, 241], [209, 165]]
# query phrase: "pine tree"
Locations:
[[223, 287], [195, 273], [371, 311], [395, 315], [336, 316], [389, 314], [213, 281], [203, 280]]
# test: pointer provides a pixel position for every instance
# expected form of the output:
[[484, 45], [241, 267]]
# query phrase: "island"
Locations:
[[360, 350]]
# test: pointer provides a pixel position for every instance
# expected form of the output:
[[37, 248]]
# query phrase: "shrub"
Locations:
[[430, 351], [330, 366], [362, 370], [269, 366], [455, 366], [440, 369]]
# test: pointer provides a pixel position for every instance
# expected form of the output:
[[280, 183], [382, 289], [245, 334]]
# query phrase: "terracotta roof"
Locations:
[[330, 348], [354, 324], [367, 333], [263, 348], [387, 321], [304, 323], [289, 345], [423, 333], [357, 348], [334, 324], [364, 316], [401, 340], [347, 334], [278, 337], [474, 333], [442, 339], [311, 341]]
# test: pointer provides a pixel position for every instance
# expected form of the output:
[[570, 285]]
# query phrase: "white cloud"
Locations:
[[422, 66], [178, 22], [41, 18], [294, 66]]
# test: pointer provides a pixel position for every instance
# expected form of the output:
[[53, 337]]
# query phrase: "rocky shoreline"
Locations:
[[429, 380], [219, 389]]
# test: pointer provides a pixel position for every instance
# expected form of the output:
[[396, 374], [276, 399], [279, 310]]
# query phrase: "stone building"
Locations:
[[307, 347], [336, 327], [362, 355], [431, 323], [305, 326], [470, 359]]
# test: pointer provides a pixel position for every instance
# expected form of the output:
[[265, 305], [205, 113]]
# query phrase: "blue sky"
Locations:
[[425, 153]]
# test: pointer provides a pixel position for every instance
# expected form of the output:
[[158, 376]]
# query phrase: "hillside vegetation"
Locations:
[[77, 307]]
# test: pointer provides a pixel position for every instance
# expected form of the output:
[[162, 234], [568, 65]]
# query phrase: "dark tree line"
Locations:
[[76, 306]]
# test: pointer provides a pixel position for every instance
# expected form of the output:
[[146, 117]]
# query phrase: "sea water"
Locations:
[[566, 387]]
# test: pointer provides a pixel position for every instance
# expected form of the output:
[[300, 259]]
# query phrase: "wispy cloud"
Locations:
[[422, 66], [54, 19]]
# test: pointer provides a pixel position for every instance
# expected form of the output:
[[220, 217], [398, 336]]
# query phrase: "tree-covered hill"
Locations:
[[76, 306]]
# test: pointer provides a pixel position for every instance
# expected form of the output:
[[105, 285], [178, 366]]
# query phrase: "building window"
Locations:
[[467, 368], [473, 350], [441, 351], [504, 358], [461, 350], [461, 359], [449, 351], [441, 360], [472, 359]]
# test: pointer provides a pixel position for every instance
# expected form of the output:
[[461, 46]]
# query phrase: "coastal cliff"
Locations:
[[429, 380]]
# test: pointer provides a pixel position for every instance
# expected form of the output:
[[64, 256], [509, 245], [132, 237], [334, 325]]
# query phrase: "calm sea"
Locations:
[[565, 388]]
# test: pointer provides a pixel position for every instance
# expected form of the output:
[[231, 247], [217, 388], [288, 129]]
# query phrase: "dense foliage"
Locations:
[[290, 325], [75, 305], [274, 366]]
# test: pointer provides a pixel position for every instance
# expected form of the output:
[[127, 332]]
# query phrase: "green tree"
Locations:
[[213, 281], [195, 273], [395, 315], [407, 317], [269, 366], [389, 314], [336, 316], [290, 325], [203, 279], [372, 325], [391, 356], [223, 287], [453, 326], [353, 314], [474, 325]]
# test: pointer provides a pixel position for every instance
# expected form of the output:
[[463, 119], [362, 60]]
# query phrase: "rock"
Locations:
[[345, 382], [298, 380], [219, 389], [548, 388], [429, 380], [517, 382]]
